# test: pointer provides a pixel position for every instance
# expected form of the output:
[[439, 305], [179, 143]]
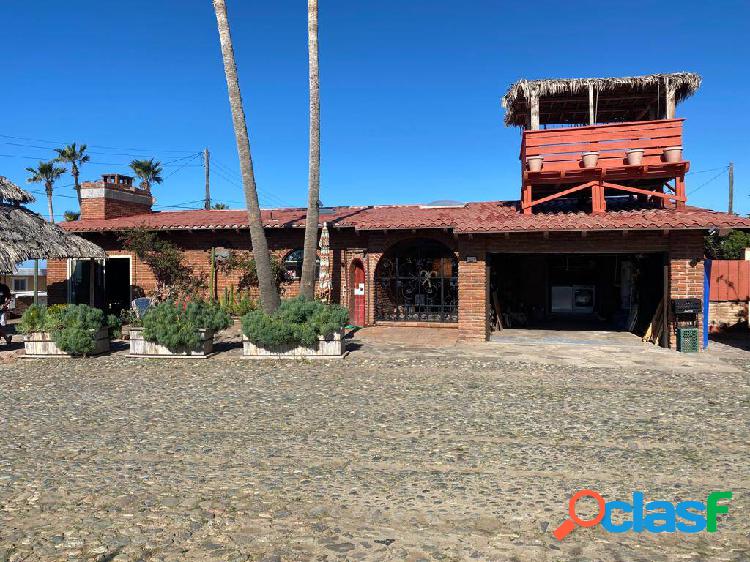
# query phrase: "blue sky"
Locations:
[[410, 91]]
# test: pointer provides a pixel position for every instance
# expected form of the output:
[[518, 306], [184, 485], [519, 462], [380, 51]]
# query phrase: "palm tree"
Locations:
[[149, 171], [76, 157], [307, 284], [269, 293], [46, 173], [220, 206]]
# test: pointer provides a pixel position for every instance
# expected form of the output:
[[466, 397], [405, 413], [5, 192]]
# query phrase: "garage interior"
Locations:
[[619, 292]]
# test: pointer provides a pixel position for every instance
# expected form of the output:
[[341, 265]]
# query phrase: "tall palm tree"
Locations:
[[269, 294], [46, 173], [307, 285], [76, 157], [149, 171]]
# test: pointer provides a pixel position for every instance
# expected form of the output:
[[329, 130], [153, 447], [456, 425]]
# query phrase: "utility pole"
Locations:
[[207, 168], [731, 187]]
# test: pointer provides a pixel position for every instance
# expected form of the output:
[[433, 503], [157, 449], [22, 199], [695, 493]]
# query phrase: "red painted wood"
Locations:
[[730, 280], [562, 148], [358, 284]]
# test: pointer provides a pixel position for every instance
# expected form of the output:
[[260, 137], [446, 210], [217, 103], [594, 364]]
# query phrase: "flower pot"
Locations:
[[332, 347], [139, 347], [41, 344], [534, 163], [590, 159], [634, 156], [672, 154]]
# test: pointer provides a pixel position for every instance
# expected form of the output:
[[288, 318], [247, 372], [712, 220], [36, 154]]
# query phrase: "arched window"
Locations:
[[417, 281], [293, 264]]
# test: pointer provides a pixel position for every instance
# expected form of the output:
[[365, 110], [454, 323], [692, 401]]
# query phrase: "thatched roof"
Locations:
[[565, 100], [11, 193], [25, 235]]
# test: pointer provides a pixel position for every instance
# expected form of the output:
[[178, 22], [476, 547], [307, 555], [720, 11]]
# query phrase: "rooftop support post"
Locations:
[[670, 101], [534, 103], [592, 117]]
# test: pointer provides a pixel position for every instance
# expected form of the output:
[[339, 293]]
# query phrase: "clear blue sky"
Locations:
[[410, 90]]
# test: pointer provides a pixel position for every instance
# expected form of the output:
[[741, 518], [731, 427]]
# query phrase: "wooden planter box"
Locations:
[[41, 344], [332, 347], [142, 348]]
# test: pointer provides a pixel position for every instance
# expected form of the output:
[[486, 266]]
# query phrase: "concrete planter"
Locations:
[[590, 159], [534, 163], [139, 347], [41, 344], [635, 156], [332, 347]]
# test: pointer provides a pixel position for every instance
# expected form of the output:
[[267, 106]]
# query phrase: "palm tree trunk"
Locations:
[[48, 189], [269, 293], [307, 285], [77, 187]]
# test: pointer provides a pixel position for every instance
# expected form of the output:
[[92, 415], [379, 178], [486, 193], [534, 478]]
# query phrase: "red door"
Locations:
[[358, 293]]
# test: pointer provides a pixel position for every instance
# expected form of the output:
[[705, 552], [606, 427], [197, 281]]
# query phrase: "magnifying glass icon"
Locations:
[[569, 524]]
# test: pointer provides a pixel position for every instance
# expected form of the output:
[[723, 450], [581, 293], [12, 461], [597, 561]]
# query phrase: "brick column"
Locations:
[[686, 271], [473, 291]]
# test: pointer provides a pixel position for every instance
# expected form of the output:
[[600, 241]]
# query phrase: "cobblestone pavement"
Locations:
[[398, 452]]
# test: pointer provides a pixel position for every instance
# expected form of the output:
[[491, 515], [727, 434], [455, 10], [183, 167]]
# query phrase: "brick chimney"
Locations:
[[113, 196]]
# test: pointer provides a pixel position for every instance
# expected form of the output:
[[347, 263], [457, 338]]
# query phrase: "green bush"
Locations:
[[298, 321], [236, 303], [72, 327], [175, 325]]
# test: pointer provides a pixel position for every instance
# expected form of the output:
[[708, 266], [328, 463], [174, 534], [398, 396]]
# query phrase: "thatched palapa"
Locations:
[[566, 100], [25, 235]]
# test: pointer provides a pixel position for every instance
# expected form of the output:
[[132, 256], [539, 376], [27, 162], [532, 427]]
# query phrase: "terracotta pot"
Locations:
[[635, 156], [534, 163], [673, 154], [590, 159]]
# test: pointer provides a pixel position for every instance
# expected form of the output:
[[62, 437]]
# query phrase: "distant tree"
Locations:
[[71, 216], [76, 157], [269, 294], [46, 173], [220, 206], [729, 247], [149, 172]]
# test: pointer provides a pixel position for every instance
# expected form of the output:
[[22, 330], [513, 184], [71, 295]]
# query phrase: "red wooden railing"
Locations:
[[730, 280], [562, 148]]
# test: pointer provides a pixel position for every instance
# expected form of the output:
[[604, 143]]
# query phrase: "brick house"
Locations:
[[601, 244]]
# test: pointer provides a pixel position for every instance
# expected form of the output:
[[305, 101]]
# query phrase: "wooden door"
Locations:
[[358, 293]]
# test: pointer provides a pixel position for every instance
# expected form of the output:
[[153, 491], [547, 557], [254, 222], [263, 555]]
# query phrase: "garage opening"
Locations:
[[577, 291]]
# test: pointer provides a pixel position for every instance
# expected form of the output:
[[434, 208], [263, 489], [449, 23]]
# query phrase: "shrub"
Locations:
[[175, 325], [72, 327], [244, 263], [236, 303], [298, 321]]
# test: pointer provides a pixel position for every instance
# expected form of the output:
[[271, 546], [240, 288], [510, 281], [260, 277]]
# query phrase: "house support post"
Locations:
[[679, 184], [598, 202], [526, 198]]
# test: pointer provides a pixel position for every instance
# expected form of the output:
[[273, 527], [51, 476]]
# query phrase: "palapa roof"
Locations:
[[25, 235], [566, 100]]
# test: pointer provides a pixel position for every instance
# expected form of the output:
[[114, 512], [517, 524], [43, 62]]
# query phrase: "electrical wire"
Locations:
[[704, 184]]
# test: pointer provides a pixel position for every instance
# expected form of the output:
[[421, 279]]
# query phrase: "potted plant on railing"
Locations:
[[67, 330], [534, 163], [672, 154], [178, 329], [300, 328]]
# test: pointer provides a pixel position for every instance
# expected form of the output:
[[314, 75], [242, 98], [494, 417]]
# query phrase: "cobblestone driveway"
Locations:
[[432, 455]]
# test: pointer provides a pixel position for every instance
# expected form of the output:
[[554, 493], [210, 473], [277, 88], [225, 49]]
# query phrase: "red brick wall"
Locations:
[[101, 208], [473, 290]]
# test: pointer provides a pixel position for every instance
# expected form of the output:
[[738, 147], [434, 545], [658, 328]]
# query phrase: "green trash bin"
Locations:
[[687, 340]]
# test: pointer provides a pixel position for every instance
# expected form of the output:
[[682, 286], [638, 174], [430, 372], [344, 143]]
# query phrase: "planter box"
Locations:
[[41, 344], [332, 347], [142, 348]]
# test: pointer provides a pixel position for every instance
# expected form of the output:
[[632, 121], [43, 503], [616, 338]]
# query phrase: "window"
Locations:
[[293, 264], [417, 280], [19, 285]]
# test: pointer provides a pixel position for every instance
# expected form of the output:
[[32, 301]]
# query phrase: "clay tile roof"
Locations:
[[201, 219], [479, 217]]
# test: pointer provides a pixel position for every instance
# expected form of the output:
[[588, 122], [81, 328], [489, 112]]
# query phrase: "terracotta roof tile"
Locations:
[[480, 217]]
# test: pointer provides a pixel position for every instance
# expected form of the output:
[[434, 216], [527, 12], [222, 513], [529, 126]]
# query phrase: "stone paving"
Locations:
[[413, 448]]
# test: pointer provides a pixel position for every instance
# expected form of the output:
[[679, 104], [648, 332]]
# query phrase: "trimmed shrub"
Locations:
[[176, 325], [297, 321], [72, 327]]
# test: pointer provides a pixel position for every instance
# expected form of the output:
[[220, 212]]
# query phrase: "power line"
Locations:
[[704, 184], [103, 147], [238, 183]]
